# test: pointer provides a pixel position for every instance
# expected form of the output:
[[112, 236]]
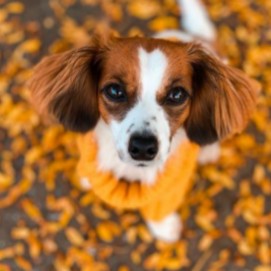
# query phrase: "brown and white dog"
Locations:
[[142, 96]]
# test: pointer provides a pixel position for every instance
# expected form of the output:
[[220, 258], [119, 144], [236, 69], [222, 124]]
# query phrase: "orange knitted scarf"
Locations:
[[154, 201]]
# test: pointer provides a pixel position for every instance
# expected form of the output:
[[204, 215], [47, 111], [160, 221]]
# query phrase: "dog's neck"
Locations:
[[108, 159]]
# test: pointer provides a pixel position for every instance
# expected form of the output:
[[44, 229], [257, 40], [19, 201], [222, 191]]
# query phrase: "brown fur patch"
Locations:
[[223, 98], [178, 74], [64, 87], [120, 65]]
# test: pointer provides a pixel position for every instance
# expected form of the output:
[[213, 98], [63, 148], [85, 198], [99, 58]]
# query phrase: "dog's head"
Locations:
[[145, 90]]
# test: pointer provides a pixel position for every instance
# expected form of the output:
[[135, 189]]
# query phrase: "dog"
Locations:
[[144, 106]]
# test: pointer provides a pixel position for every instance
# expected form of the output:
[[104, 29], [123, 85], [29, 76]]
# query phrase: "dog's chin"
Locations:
[[146, 164]]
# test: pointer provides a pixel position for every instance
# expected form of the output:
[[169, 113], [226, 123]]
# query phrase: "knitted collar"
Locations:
[[124, 194]]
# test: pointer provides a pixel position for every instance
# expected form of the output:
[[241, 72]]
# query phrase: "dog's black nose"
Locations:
[[143, 147]]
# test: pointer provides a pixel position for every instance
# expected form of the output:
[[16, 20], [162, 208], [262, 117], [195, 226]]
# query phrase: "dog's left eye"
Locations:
[[115, 93], [177, 96]]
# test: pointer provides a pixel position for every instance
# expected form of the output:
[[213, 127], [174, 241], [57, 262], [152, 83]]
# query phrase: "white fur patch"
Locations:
[[152, 70], [209, 154], [195, 19], [185, 37], [85, 183], [176, 34], [169, 229]]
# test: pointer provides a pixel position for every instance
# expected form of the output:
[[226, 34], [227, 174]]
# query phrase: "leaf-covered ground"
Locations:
[[49, 222]]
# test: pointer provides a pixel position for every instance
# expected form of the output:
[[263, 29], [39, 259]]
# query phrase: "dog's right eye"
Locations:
[[115, 93]]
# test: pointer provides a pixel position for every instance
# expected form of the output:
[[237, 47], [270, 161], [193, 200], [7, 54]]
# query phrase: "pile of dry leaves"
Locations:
[[49, 222]]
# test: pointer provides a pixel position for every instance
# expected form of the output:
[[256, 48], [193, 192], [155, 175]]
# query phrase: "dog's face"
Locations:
[[144, 90], [144, 97]]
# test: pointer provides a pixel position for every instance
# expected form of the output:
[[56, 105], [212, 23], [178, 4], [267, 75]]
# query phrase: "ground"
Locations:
[[48, 222]]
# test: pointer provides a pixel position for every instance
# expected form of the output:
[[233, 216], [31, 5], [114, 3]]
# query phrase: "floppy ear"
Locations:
[[222, 101], [65, 87]]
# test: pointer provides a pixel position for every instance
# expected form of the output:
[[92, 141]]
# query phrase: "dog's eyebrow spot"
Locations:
[[130, 127], [147, 123], [153, 118]]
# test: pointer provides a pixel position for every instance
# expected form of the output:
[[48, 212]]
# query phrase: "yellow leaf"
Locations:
[[136, 257], [144, 234], [5, 181], [49, 22], [251, 236], [245, 141], [205, 242], [4, 82], [73, 33], [30, 46], [131, 235], [52, 137], [20, 233], [6, 253], [34, 246], [104, 232], [123, 268], [49, 246], [23, 264], [152, 261], [4, 267], [162, 23], [144, 9], [32, 210], [15, 192], [264, 253], [100, 212], [263, 268], [14, 37], [204, 222], [3, 15], [90, 2], [263, 233], [112, 10], [33, 155], [74, 237], [217, 176], [15, 7], [235, 235], [18, 145], [258, 174], [245, 248], [135, 32], [174, 264]]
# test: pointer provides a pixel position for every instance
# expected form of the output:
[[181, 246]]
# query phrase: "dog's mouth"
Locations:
[[142, 165], [139, 164], [145, 165]]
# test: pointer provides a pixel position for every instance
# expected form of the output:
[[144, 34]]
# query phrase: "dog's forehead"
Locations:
[[126, 49], [127, 57]]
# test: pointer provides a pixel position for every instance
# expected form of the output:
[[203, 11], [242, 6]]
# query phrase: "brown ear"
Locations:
[[223, 98], [64, 86]]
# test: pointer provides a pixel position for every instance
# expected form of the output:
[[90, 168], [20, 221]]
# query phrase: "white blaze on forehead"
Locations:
[[153, 67]]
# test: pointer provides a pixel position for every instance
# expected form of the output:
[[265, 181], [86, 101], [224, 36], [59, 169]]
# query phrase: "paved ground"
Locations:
[[47, 221]]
